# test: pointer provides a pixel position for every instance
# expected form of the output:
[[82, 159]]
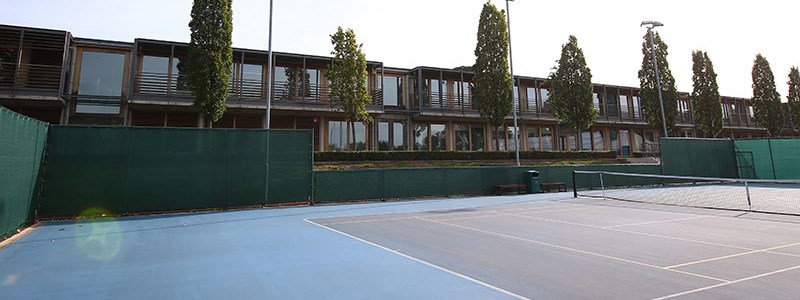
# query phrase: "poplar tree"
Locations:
[[348, 78], [705, 95], [493, 83], [794, 97], [571, 90], [647, 82], [766, 100], [210, 56]]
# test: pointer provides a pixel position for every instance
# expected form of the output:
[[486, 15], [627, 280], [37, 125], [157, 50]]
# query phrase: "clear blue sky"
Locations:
[[442, 33]]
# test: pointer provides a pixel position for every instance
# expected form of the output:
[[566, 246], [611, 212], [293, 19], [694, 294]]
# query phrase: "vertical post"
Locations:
[[747, 189], [574, 185], [658, 82], [269, 70], [772, 159], [602, 185], [511, 66]]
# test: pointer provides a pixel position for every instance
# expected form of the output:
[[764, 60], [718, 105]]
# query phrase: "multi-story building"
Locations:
[[55, 77]]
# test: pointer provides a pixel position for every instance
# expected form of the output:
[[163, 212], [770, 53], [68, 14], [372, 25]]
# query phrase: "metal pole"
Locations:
[[269, 70], [511, 66], [658, 82]]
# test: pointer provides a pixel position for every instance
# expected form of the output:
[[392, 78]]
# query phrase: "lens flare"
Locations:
[[10, 280], [99, 236]]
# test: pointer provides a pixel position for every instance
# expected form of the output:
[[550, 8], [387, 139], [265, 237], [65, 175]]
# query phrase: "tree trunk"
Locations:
[[353, 136], [496, 139]]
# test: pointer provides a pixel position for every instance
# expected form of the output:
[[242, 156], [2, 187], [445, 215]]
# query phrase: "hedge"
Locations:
[[452, 155]]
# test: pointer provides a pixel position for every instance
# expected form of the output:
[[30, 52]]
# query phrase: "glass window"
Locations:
[[179, 80], [545, 103], [625, 142], [438, 137], [154, 64], [445, 93], [531, 99], [500, 139], [611, 105], [336, 135], [252, 73], [614, 137], [466, 91], [638, 141], [547, 139], [421, 137], [101, 74], [623, 105], [637, 107], [586, 141], [96, 109], [435, 93], [311, 84], [462, 137], [597, 101], [399, 136], [599, 142], [478, 139], [383, 136], [391, 90], [360, 141], [534, 141], [512, 142]]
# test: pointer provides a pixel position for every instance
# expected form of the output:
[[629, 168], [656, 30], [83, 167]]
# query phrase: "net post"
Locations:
[[747, 189], [602, 186], [574, 185]]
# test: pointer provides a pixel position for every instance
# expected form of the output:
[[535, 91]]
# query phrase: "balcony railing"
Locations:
[[29, 76], [159, 84]]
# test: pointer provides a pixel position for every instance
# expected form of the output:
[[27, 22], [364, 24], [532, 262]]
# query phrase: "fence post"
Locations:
[[574, 185], [772, 160]]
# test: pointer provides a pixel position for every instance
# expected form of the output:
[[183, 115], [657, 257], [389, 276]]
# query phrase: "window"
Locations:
[[436, 100], [466, 90], [545, 104], [586, 140], [438, 137], [512, 142], [638, 141], [637, 107], [623, 106], [155, 65], [462, 137], [337, 136], [599, 141], [611, 105], [392, 88], [383, 136], [500, 139], [101, 74], [478, 138], [534, 140], [598, 100], [421, 137], [359, 143], [399, 136], [625, 143], [614, 137], [531, 100], [250, 83], [547, 139]]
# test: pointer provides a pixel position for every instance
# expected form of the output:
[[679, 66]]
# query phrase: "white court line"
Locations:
[[484, 284], [656, 222], [727, 283], [369, 221], [732, 256], [573, 249]]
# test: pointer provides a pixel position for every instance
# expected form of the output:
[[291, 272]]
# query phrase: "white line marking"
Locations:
[[572, 249], [732, 256], [656, 222], [21, 235], [727, 283], [484, 284], [368, 221]]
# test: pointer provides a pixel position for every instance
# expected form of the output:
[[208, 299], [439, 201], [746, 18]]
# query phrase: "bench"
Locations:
[[553, 186], [515, 188]]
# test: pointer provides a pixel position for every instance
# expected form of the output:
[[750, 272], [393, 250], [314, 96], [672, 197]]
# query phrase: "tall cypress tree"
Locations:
[[211, 56], [766, 100], [348, 75], [571, 90], [705, 96], [794, 97], [647, 82], [493, 83]]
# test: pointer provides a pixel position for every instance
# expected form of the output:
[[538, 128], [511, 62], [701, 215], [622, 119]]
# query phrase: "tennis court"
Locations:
[[512, 247]]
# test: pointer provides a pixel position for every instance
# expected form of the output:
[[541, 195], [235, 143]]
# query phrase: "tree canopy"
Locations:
[[493, 83], [794, 97], [210, 56], [571, 90], [705, 95], [647, 82], [766, 100]]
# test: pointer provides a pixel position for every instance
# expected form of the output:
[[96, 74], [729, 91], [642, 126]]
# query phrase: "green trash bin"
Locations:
[[532, 176]]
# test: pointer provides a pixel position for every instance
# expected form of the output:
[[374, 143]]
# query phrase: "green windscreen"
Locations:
[[22, 142], [699, 157], [769, 158], [124, 170]]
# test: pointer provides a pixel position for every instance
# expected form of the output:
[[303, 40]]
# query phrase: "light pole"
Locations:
[[269, 70], [650, 25], [511, 65]]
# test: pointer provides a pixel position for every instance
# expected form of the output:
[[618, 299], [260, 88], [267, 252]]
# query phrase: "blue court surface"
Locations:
[[512, 247]]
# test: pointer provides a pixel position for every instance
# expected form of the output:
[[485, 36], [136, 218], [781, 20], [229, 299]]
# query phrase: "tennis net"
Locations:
[[771, 196]]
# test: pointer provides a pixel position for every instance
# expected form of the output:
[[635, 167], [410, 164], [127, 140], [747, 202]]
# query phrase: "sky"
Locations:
[[442, 33]]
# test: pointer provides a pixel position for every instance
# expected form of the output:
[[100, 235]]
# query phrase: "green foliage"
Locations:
[[647, 82], [493, 84], [298, 82], [211, 56], [766, 100], [348, 75], [453, 155], [794, 97], [705, 96], [571, 90]]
